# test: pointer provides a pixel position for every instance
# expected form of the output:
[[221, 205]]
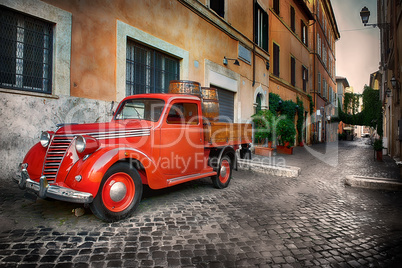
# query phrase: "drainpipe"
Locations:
[[254, 2]]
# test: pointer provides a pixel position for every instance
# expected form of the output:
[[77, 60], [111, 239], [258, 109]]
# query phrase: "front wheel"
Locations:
[[222, 179], [119, 193]]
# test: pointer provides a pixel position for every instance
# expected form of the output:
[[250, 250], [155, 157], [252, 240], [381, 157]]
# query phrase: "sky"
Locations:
[[358, 49]]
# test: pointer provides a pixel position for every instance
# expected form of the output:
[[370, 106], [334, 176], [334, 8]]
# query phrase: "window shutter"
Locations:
[[276, 60]]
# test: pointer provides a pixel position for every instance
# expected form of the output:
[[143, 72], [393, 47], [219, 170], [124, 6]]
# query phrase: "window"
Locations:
[[261, 27], [324, 87], [293, 71], [147, 109], [292, 19], [319, 84], [276, 60], [304, 33], [305, 78], [318, 44], [183, 113], [25, 52], [276, 6], [218, 6], [148, 70]]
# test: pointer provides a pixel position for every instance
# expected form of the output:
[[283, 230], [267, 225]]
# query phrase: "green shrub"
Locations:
[[377, 145], [263, 125], [286, 131]]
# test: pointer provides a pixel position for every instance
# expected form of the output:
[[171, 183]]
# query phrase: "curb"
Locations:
[[284, 171], [373, 183]]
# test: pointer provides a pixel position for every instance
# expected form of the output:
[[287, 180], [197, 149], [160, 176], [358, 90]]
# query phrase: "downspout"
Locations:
[[254, 2], [396, 67], [315, 75]]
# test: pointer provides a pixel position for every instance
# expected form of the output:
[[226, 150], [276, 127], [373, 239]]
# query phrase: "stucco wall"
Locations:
[[25, 117]]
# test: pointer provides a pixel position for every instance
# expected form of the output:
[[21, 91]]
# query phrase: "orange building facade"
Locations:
[[67, 61], [290, 49], [325, 33]]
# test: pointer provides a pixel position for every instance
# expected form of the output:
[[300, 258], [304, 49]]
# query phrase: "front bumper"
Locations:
[[44, 190]]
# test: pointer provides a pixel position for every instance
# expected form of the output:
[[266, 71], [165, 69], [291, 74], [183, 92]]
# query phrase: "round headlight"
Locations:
[[45, 138], [80, 144]]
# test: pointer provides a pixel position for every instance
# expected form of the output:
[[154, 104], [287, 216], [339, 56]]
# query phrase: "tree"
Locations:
[[371, 114]]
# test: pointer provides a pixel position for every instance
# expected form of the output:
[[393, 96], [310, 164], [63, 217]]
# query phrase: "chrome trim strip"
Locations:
[[174, 180], [105, 132], [103, 137]]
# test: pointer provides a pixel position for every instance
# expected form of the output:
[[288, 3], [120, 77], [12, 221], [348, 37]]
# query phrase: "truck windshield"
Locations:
[[147, 109]]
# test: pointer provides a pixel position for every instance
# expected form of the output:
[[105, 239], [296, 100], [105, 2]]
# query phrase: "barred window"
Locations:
[[26, 49], [148, 70]]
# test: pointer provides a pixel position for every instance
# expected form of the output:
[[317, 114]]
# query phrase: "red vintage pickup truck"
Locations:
[[155, 139]]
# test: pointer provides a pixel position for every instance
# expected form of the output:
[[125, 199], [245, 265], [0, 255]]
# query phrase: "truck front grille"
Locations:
[[54, 156]]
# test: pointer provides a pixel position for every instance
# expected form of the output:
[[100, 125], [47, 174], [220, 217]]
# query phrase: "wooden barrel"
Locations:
[[185, 87], [210, 103]]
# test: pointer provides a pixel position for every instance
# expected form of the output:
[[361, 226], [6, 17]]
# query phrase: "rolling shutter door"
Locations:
[[226, 105]]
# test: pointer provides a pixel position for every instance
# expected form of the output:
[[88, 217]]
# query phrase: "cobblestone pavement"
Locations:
[[258, 221]]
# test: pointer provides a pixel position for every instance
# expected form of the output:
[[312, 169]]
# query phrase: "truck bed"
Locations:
[[218, 134]]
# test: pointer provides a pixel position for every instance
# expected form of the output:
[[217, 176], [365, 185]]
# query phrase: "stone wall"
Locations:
[[24, 117]]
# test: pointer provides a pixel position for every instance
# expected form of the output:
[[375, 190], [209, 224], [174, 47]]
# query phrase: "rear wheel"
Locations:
[[222, 179], [119, 193]]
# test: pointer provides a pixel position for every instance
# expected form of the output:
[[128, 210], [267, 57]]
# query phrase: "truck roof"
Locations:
[[163, 96]]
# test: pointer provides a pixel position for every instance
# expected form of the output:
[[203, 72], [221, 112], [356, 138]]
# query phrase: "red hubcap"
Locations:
[[118, 192], [224, 173]]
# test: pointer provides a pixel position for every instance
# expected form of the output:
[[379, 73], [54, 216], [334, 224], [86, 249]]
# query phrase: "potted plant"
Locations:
[[263, 121], [286, 132], [377, 145]]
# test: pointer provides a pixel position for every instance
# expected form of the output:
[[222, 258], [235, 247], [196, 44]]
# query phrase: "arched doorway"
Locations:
[[260, 99], [258, 102]]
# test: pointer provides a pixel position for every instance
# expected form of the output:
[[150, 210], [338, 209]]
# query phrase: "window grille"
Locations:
[[26, 49], [148, 70]]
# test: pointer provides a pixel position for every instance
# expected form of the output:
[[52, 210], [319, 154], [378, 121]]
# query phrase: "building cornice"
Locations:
[[208, 15]]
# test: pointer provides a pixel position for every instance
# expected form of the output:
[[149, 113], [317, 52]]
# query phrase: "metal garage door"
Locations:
[[226, 105]]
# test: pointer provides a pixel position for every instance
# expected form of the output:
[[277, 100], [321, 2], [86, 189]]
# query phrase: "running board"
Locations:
[[187, 178]]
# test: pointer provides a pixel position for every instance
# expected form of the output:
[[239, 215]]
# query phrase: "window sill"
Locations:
[[27, 93]]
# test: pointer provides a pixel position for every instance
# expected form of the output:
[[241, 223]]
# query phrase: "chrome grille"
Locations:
[[54, 156]]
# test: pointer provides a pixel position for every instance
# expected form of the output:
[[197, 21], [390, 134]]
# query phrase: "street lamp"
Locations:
[[365, 15], [225, 61]]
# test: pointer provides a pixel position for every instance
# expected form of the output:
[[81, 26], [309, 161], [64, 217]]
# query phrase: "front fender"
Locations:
[[35, 158], [95, 166]]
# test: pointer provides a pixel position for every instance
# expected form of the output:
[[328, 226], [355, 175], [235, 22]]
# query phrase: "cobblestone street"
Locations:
[[258, 221]]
